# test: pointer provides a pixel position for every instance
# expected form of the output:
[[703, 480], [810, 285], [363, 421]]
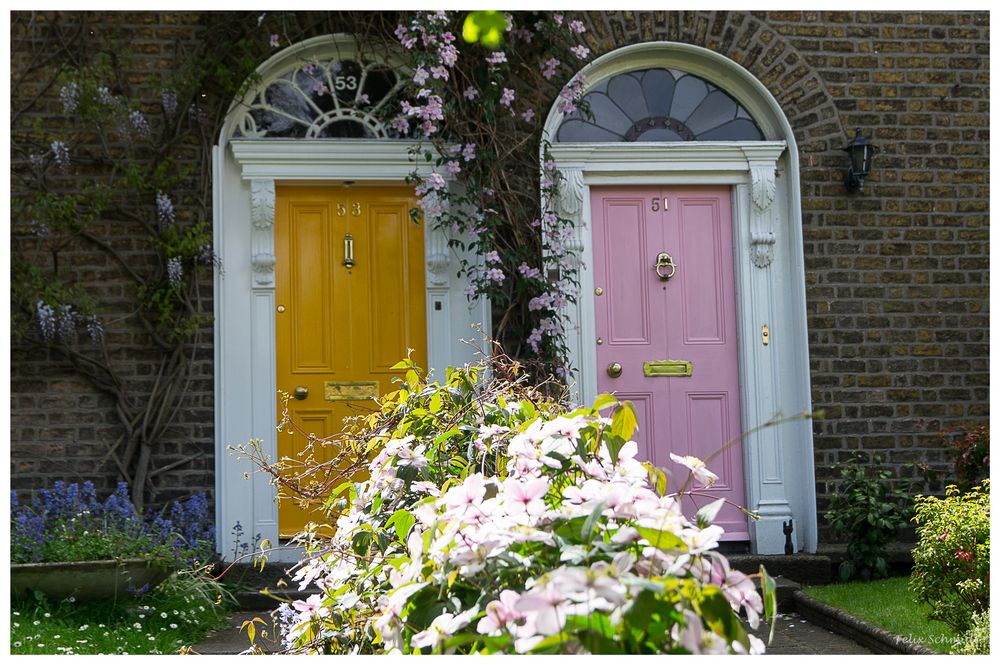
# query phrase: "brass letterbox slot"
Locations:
[[350, 391], [667, 368]]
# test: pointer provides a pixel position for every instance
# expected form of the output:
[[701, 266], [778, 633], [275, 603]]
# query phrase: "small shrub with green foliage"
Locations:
[[865, 510], [951, 562], [492, 521], [977, 640]]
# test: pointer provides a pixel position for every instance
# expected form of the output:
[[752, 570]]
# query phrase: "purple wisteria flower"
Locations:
[[470, 93], [69, 95], [496, 58], [46, 320], [60, 154], [40, 229], [577, 27], [37, 161], [139, 123], [164, 208], [469, 152], [208, 257], [175, 271], [495, 275], [453, 168], [420, 76], [528, 115], [67, 322], [95, 329], [274, 41], [507, 98], [439, 72], [105, 96], [168, 99], [580, 51]]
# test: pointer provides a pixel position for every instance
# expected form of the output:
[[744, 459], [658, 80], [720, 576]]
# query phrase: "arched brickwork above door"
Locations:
[[749, 41]]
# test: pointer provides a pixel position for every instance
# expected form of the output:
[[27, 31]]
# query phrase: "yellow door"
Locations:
[[342, 326]]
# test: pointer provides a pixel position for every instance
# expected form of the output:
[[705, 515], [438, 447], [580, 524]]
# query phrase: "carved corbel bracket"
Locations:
[[262, 259], [762, 248], [262, 204], [762, 186], [263, 268]]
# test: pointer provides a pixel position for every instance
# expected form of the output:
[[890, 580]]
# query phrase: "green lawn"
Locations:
[[177, 613], [890, 605]]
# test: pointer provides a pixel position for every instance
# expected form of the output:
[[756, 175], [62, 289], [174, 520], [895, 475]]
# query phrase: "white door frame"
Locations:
[[245, 172], [769, 271]]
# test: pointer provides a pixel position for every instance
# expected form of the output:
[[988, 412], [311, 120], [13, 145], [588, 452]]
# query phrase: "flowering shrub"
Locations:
[[951, 563], [867, 512], [68, 523], [465, 105], [972, 464], [494, 523]]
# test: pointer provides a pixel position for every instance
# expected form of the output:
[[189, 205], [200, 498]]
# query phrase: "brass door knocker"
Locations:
[[664, 260]]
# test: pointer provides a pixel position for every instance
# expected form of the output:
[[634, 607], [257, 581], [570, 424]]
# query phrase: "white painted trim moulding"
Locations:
[[769, 271]]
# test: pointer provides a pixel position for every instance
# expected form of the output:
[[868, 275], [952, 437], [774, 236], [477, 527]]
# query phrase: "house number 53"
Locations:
[[345, 82], [355, 209]]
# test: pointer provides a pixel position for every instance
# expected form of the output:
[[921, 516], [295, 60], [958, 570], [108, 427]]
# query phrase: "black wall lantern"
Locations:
[[860, 151]]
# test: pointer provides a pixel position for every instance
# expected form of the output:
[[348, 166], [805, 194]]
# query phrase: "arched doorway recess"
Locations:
[[308, 120], [626, 149]]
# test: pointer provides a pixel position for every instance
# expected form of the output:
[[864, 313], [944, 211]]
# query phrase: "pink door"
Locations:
[[643, 320]]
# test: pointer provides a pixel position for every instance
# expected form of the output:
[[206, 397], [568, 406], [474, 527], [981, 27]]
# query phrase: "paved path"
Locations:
[[792, 635]]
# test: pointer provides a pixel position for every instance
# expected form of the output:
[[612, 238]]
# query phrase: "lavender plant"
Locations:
[[68, 523]]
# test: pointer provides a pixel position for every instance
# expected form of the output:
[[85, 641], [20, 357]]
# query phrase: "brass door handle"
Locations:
[[615, 370], [664, 260], [300, 392]]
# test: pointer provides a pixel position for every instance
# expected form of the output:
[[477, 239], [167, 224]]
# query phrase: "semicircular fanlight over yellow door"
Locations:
[[349, 289]]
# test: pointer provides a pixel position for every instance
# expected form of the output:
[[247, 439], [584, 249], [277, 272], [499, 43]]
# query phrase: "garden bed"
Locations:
[[883, 614], [177, 614]]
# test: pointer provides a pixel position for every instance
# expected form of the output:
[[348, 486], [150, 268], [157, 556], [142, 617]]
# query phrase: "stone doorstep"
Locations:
[[802, 568], [851, 627]]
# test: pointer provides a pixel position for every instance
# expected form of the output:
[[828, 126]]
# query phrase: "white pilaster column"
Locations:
[[574, 204], [439, 331], [264, 411], [765, 473]]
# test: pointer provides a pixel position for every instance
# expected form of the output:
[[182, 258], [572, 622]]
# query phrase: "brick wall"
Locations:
[[897, 280]]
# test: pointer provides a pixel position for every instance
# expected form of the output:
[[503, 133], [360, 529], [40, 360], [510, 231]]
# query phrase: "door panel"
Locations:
[[342, 325], [690, 317]]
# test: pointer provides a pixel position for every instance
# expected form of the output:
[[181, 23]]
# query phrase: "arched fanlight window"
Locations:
[[658, 105], [330, 98]]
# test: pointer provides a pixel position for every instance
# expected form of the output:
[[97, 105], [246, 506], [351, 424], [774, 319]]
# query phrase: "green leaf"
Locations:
[[587, 530], [706, 515], [623, 422], [485, 27], [403, 520], [603, 401], [720, 617], [435, 404], [768, 589], [661, 540]]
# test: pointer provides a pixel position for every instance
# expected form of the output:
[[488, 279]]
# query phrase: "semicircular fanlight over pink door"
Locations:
[[663, 262]]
